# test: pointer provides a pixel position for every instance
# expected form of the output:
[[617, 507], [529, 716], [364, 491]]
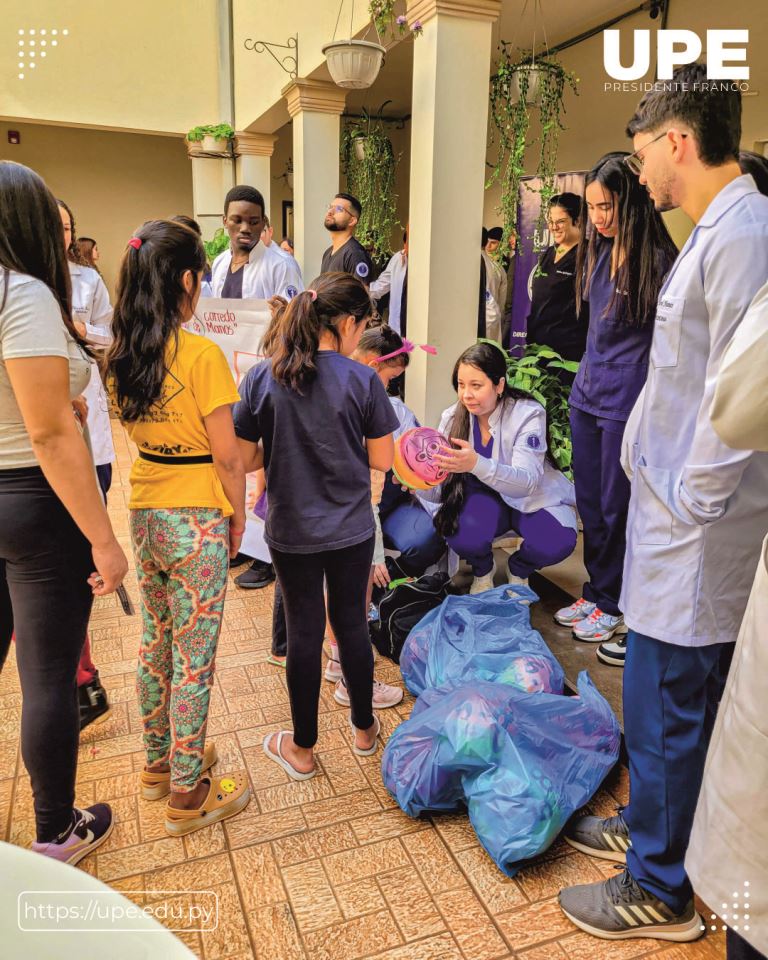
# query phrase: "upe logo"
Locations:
[[674, 49]]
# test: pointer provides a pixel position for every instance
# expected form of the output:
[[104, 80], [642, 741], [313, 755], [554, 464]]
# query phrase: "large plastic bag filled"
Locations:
[[485, 637], [522, 763]]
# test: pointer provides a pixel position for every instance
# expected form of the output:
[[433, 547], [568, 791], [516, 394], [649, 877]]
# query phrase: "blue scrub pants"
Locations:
[[602, 499], [408, 528], [671, 695]]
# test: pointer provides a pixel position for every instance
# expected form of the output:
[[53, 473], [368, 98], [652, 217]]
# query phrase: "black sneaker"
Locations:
[[93, 702], [258, 575], [90, 829], [238, 560], [605, 838], [613, 652], [619, 909]]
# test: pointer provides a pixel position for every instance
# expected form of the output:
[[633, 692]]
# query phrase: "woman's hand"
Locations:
[[381, 575], [80, 406], [461, 460], [235, 539], [111, 567]]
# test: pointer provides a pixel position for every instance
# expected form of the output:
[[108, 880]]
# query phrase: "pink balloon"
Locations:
[[418, 448]]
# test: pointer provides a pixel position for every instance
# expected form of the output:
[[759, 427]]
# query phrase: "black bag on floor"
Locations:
[[401, 609]]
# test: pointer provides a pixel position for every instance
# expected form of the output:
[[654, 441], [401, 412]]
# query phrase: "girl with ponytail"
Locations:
[[318, 422], [501, 480], [173, 391]]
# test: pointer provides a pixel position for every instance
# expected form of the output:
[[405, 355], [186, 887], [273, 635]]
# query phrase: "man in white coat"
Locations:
[[698, 513]]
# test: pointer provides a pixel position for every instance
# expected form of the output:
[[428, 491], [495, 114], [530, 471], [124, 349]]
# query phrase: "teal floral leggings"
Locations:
[[182, 559]]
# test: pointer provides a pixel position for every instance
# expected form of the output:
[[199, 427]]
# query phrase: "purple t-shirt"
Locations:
[[316, 463]]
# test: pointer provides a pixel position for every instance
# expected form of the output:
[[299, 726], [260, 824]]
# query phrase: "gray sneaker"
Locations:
[[619, 909], [605, 838]]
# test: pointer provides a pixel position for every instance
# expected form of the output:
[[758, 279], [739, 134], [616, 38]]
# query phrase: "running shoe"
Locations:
[[576, 612]]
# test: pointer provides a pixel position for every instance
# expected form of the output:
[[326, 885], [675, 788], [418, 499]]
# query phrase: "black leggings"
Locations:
[[302, 575], [47, 561], [737, 948]]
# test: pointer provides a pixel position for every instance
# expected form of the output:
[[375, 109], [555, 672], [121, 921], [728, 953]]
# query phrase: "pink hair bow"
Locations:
[[135, 242], [407, 347]]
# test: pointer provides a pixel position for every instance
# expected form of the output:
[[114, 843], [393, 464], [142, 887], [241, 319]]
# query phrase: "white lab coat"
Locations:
[[699, 510], [91, 306], [495, 297], [390, 281], [269, 272], [517, 468], [730, 832]]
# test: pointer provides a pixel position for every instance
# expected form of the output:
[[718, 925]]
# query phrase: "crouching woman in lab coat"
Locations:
[[501, 480]]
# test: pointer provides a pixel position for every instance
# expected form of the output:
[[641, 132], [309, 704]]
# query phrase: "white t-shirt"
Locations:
[[31, 326]]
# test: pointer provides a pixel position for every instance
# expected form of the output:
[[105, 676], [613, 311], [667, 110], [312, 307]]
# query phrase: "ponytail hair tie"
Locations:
[[135, 242], [312, 293]]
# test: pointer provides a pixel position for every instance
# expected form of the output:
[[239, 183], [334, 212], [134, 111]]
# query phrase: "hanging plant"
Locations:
[[216, 245], [535, 373], [386, 20], [370, 168], [219, 131], [513, 102]]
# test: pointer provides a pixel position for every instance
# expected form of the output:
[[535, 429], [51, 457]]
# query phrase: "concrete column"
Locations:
[[212, 177], [254, 162], [315, 107], [449, 131]]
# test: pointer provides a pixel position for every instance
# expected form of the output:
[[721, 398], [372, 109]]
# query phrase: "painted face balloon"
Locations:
[[415, 452]]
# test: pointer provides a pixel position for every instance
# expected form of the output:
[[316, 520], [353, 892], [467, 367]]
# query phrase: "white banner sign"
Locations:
[[238, 327]]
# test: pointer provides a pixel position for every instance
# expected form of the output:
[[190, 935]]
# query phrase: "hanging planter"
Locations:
[[526, 82], [354, 64], [213, 138], [359, 147]]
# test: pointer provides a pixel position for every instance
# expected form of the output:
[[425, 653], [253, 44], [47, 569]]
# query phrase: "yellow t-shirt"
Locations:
[[198, 381]]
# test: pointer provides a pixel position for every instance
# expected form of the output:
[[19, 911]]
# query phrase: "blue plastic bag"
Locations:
[[522, 762], [485, 637]]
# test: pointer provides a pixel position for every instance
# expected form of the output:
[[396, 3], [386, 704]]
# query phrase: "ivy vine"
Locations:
[[511, 122], [372, 180]]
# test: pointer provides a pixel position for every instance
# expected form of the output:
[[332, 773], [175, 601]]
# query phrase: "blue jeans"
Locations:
[[671, 695], [485, 516]]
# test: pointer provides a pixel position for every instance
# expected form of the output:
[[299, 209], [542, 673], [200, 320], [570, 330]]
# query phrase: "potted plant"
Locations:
[[216, 245], [520, 89], [354, 64], [369, 163], [213, 138]]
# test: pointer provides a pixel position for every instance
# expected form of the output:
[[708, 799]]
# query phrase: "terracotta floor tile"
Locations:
[[549, 951], [533, 924], [411, 904], [341, 808], [248, 828], [311, 896], [143, 857], [314, 844], [205, 843], [544, 881], [258, 876], [497, 891], [352, 938], [359, 897], [366, 861], [201, 874], [437, 868], [382, 826], [343, 771], [582, 946], [442, 947], [456, 831], [473, 930], [294, 794], [274, 934], [231, 934]]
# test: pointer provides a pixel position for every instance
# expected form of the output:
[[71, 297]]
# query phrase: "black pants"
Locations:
[[737, 948], [47, 561], [302, 577]]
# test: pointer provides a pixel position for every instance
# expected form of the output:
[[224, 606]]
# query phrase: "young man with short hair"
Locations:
[[346, 254], [697, 516]]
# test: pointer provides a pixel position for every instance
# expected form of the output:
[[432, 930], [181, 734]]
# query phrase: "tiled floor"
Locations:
[[328, 869]]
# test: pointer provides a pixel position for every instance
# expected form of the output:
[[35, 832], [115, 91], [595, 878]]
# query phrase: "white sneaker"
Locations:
[[481, 584], [384, 695], [597, 627], [517, 581], [333, 670], [577, 611]]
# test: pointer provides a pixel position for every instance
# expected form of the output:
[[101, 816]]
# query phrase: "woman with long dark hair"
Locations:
[[57, 547], [620, 268], [173, 391], [501, 478], [319, 423]]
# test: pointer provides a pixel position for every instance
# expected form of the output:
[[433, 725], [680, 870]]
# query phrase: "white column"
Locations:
[[315, 107], [212, 177], [254, 162], [449, 130]]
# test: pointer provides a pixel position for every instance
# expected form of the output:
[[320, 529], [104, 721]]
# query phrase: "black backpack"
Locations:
[[401, 609]]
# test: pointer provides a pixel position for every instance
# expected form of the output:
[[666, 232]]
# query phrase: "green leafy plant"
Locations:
[[220, 131], [371, 178], [216, 245], [386, 19], [511, 116], [535, 373]]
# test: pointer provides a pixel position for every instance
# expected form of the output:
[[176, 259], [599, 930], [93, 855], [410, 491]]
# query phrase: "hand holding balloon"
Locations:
[[460, 458], [415, 463]]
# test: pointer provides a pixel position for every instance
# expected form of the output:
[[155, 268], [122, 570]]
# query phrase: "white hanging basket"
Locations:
[[533, 93], [360, 143], [354, 64]]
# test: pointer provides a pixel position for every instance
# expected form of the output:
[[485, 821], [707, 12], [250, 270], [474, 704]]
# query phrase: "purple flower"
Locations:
[[401, 21], [416, 28]]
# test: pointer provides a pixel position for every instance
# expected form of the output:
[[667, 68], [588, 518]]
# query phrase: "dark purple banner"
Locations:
[[529, 248]]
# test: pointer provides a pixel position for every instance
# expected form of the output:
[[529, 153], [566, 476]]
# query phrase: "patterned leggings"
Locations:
[[182, 559]]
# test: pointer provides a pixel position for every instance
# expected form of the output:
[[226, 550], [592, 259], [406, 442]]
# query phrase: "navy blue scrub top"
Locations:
[[615, 365]]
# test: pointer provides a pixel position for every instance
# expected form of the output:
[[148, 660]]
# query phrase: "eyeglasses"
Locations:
[[635, 162], [555, 224], [338, 208]]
